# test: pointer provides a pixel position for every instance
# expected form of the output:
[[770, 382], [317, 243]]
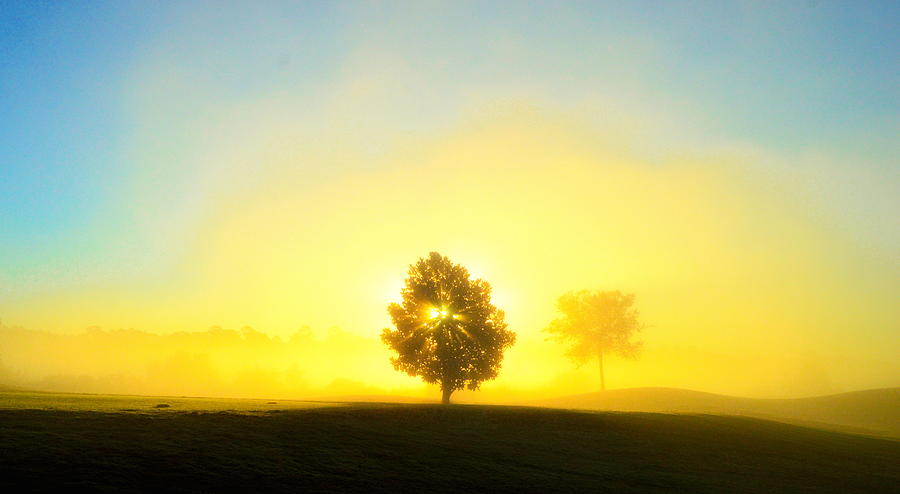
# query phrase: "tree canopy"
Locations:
[[446, 330], [595, 323]]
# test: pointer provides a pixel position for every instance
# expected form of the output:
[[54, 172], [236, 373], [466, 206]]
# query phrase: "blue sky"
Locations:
[[796, 79]]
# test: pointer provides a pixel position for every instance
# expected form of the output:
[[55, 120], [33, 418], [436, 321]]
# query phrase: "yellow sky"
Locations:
[[742, 289]]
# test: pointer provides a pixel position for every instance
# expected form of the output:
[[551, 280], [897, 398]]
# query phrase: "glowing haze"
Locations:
[[166, 169]]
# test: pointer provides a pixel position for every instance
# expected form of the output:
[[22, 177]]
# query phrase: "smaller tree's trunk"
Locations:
[[602, 377], [445, 399]]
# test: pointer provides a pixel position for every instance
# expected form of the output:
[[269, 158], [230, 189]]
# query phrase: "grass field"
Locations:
[[874, 412], [145, 404], [126, 444]]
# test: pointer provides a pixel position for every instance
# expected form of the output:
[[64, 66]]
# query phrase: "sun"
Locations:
[[436, 313]]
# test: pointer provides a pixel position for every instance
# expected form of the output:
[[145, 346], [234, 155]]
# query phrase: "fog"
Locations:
[[215, 362], [334, 363]]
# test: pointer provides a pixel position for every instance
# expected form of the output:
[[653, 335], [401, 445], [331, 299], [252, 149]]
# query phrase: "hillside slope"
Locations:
[[433, 448], [875, 412]]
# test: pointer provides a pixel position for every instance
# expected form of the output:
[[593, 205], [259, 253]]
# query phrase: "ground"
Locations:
[[297, 447]]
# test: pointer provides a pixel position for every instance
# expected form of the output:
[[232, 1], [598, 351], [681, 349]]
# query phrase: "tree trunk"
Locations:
[[445, 399], [602, 378]]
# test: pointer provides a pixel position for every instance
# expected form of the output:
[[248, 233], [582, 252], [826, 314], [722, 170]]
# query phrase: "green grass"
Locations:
[[146, 404], [874, 412], [404, 448]]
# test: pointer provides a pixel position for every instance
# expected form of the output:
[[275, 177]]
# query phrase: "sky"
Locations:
[[168, 168]]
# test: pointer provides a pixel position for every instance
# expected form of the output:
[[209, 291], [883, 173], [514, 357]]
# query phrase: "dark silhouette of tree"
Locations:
[[596, 323], [447, 331]]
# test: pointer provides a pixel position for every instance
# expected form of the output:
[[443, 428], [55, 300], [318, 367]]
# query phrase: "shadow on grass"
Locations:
[[391, 447]]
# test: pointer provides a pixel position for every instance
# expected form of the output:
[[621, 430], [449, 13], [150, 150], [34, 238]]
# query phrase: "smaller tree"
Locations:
[[596, 323]]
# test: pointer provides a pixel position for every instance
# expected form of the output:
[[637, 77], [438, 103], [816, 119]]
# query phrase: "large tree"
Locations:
[[596, 323], [447, 331]]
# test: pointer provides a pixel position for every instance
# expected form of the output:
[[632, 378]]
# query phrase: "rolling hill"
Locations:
[[874, 412], [433, 448]]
